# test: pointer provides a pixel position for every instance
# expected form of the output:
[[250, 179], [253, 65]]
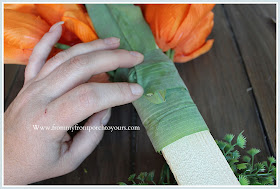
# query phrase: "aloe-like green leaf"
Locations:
[[122, 21], [173, 114], [111, 20], [166, 109]]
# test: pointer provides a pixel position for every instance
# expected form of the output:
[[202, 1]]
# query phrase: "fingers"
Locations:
[[85, 141], [80, 68], [42, 50], [86, 99], [79, 49]]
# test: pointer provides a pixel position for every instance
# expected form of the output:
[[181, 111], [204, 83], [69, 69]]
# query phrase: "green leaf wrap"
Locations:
[[166, 109]]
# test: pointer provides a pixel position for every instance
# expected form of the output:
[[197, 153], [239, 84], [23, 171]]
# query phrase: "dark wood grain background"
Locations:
[[233, 85]]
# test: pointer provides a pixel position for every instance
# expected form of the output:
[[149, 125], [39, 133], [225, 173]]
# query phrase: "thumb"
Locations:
[[85, 141]]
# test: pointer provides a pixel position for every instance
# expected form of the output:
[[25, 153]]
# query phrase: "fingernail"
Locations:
[[136, 89], [111, 40], [106, 118], [137, 54], [55, 26]]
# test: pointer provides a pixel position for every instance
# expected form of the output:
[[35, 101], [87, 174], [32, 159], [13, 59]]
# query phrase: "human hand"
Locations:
[[55, 92]]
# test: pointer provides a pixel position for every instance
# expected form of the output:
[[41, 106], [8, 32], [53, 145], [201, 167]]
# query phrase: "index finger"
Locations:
[[79, 69]]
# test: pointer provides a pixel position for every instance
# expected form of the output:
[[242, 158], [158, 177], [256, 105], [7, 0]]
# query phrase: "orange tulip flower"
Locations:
[[182, 27], [25, 8], [22, 31], [76, 21], [25, 25], [28, 21]]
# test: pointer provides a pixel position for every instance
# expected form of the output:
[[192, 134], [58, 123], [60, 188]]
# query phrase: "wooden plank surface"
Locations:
[[219, 82], [254, 30], [10, 72], [16, 85], [146, 159]]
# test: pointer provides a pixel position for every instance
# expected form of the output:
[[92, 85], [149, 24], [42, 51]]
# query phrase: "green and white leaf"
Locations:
[[166, 109]]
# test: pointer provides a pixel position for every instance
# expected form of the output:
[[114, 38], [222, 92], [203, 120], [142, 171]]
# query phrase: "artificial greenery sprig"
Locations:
[[244, 168], [145, 178]]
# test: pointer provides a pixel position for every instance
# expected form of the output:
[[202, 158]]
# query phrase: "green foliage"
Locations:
[[246, 159], [241, 140], [145, 178], [244, 168], [247, 172], [228, 138], [253, 151], [243, 180]]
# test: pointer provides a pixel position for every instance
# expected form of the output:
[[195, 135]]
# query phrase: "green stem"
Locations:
[[231, 148], [170, 53], [252, 164], [261, 174], [62, 46], [168, 176], [269, 168]]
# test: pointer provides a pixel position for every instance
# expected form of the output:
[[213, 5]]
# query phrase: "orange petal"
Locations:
[[197, 37], [77, 23], [100, 78], [79, 15], [90, 22], [164, 20], [13, 55], [181, 58], [149, 14], [53, 13], [170, 18], [194, 16], [23, 30], [25, 8]]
